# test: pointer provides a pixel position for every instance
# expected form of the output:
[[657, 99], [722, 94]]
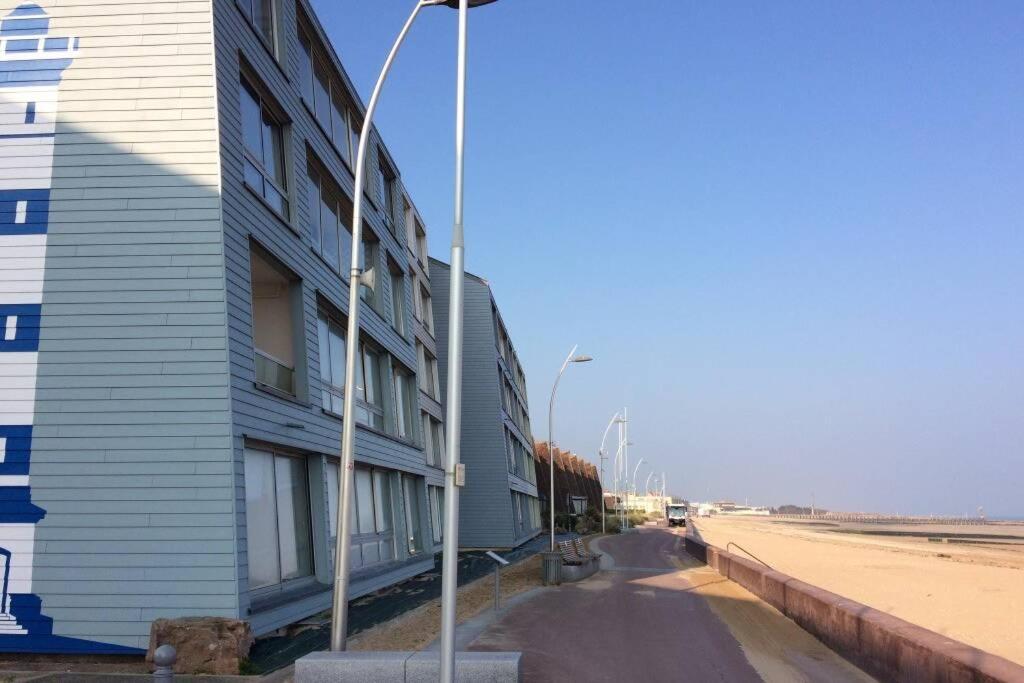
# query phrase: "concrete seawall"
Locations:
[[885, 646]]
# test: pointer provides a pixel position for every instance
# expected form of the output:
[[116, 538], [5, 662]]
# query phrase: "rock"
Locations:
[[205, 645]]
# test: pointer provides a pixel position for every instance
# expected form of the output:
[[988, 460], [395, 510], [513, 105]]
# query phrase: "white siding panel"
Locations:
[[132, 293]]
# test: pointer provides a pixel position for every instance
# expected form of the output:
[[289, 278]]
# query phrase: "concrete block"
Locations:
[[470, 667], [351, 667]]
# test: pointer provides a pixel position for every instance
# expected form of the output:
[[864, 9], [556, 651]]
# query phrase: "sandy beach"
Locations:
[[971, 589]]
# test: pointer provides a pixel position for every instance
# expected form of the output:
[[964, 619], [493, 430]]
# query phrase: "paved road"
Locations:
[[644, 617]]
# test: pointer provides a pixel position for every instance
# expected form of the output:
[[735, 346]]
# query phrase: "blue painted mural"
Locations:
[[31, 66]]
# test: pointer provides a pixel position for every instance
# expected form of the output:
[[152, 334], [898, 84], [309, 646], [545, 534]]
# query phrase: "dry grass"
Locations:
[[416, 629]]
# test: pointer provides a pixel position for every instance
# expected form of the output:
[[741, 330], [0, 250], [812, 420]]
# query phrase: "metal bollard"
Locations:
[[164, 659]]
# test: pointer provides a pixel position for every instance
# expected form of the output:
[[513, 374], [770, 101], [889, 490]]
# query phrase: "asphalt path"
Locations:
[[636, 620], [654, 614]]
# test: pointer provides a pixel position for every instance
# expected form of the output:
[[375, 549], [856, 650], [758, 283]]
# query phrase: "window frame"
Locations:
[[296, 331], [272, 42], [269, 110], [337, 93], [341, 204], [284, 585]]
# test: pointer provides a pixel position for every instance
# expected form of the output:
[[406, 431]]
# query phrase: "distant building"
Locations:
[[498, 507], [577, 482]]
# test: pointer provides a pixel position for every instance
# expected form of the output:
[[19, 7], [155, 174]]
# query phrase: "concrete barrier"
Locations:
[[405, 667], [885, 646]]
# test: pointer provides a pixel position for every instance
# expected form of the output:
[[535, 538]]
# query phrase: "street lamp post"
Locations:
[[602, 457], [647, 484], [571, 358], [358, 277]]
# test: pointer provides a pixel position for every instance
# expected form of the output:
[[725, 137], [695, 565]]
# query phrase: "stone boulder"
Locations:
[[205, 645]]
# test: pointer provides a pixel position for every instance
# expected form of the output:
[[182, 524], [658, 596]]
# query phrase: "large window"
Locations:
[[279, 542], [369, 406], [433, 439], [405, 402], [330, 217], [369, 257], [411, 490], [428, 379], [386, 191], [397, 297], [373, 535], [421, 244], [263, 139], [273, 323], [435, 495], [261, 14], [331, 339], [426, 310], [324, 93]]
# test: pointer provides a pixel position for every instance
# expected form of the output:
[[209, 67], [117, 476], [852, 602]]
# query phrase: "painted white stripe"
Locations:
[[3, 448], [11, 328], [13, 480], [20, 210]]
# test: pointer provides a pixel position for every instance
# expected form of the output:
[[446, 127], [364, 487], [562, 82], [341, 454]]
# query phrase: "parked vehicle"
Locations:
[[675, 513]]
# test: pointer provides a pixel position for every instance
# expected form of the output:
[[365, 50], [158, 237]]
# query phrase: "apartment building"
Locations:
[[498, 507], [175, 210]]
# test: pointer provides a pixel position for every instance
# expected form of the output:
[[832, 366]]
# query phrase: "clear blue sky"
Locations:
[[791, 234]]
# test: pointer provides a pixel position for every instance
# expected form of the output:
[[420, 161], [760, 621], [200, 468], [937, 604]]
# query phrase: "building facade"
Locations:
[[175, 206], [498, 506]]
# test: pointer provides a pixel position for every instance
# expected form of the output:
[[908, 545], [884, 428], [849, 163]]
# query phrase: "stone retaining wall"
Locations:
[[885, 646]]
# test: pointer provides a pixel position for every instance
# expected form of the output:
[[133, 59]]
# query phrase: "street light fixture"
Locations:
[[602, 457], [357, 277], [571, 358]]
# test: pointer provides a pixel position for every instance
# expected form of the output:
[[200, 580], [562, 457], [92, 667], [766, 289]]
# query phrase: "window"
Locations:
[[397, 297], [437, 441], [261, 14], [428, 378], [369, 257], [273, 327], [426, 310], [421, 244], [436, 500], [373, 537], [417, 312], [323, 91], [329, 216], [369, 409], [433, 440], [405, 402], [411, 487], [386, 191], [331, 338], [279, 541], [264, 150]]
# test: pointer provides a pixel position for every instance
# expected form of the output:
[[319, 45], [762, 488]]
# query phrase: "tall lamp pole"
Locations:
[[357, 278], [571, 358], [453, 415], [602, 457]]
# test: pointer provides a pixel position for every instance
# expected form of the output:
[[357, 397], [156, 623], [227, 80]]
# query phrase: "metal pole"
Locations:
[[602, 457], [618, 475], [450, 557], [626, 465], [339, 613], [497, 587], [639, 462], [647, 484], [551, 446]]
